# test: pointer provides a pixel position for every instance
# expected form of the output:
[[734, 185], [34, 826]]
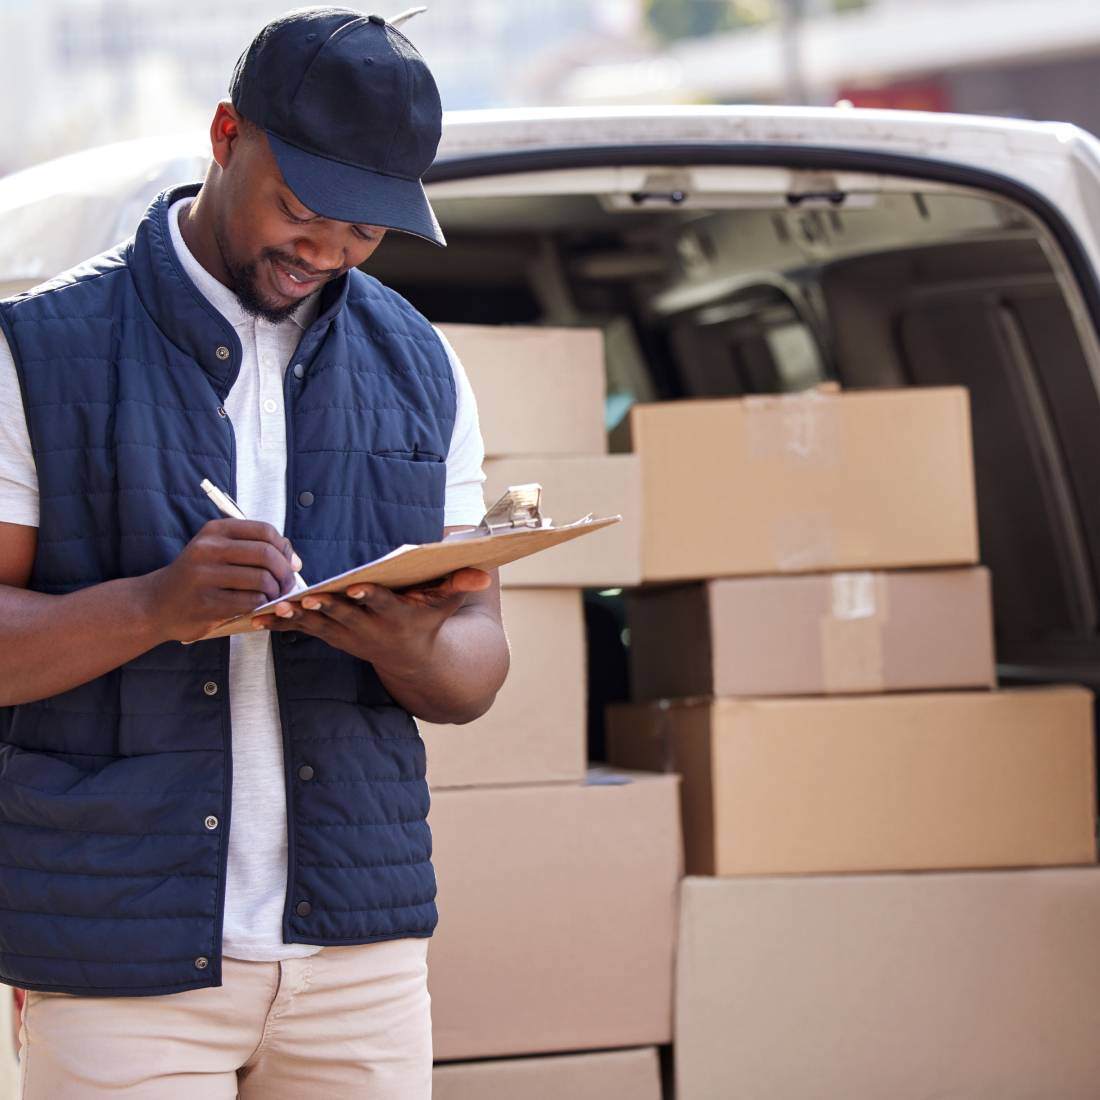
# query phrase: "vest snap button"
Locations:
[[211, 822], [305, 772], [303, 909], [299, 370], [305, 499], [202, 962], [222, 413], [210, 688], [222, 352]]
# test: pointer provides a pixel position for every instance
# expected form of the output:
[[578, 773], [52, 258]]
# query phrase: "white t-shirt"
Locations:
[[257, 866]]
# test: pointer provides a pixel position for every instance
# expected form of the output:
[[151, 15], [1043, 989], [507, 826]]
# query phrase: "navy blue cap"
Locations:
[[351, 112]]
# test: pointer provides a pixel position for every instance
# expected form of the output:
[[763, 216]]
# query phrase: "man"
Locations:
[[221, 849]]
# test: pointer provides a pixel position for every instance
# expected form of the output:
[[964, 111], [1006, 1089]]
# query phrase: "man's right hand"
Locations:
[[231, 566]]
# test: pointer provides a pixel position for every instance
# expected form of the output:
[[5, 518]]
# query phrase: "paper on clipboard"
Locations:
[[512, 529]]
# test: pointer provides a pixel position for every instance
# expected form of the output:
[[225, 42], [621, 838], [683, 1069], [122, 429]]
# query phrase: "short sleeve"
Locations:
[[464, 504], [18, 474]]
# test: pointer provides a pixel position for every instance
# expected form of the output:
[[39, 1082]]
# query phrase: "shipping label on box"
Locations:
[[536, 729], [872, 479], [874, 783], [538, 390], [572, 487], [817, 634], [557, 910]]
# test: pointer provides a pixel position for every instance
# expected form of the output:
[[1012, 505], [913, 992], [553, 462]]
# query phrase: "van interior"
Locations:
[[729, 280]]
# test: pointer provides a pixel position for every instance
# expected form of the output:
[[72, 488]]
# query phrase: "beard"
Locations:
[[245, 282]]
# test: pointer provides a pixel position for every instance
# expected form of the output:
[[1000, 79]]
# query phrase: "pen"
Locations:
[[228, 507]]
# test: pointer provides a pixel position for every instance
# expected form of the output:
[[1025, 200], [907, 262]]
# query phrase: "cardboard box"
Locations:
[[539, 390], [535, 731], [874, 783], [971, 986], [872, 479], [557, 910], [608, 1075], [605, 485], [818, 634]]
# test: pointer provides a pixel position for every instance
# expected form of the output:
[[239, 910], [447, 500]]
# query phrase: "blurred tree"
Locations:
[[673, 19]]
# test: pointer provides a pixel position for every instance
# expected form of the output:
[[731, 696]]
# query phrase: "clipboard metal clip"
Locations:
[[519, 507]]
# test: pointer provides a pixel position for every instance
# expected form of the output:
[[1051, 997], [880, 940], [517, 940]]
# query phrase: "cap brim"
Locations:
[[347, 193]]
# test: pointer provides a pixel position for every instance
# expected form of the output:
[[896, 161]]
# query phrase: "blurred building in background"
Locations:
[[77, 73], [1028, 58]]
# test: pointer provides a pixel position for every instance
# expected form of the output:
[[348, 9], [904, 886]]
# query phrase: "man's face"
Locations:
[[275, 250]]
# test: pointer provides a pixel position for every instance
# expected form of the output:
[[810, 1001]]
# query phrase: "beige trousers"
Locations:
[[346, 1022]]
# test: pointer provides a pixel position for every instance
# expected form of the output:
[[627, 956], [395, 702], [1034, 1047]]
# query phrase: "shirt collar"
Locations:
[[217, 293]]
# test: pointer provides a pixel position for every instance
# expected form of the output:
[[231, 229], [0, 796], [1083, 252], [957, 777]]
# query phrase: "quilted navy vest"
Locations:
[[115, 796]]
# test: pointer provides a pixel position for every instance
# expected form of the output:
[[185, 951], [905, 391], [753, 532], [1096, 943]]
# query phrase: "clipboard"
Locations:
[[513, 528]]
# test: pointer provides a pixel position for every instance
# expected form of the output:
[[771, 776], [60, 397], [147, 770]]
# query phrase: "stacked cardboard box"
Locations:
[[797, 685], [557, 886], [606, 1075], [541, 401], [976, 986]]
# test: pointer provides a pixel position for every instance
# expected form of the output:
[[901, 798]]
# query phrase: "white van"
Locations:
[[733, 250]]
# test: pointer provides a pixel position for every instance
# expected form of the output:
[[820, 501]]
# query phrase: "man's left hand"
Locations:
[[395, 631]]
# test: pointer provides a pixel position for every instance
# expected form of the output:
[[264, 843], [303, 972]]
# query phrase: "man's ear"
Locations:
[[226, 130]]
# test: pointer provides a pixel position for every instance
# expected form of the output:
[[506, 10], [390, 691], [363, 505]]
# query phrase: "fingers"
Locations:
[[373, 597], [364, 609], [335, 608], [231, 604], [470, 580], [249, 530], [461, 581], [315, 623], [257, 555], [240, 578]]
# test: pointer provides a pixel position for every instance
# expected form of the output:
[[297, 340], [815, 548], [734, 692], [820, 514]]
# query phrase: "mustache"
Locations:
[[297, 266]]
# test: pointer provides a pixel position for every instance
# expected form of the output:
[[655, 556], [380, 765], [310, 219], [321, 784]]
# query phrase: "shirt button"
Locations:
[[303, 909], [202, 962], [298, 370], [270, 406], [211, 822], [305, 499], [222, 352], [305, 772], [210, 688]]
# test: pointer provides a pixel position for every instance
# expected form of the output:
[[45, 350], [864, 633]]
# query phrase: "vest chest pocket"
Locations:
[[415, 455], [413, 477], [404, 493]]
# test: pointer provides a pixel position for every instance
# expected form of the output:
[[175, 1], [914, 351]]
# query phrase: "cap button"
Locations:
[[377, 20]]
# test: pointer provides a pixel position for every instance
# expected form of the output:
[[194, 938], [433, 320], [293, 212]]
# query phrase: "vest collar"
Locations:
[[183, 313]]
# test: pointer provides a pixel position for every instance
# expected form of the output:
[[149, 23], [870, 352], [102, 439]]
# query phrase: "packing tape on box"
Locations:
[[662, 731], [852, 649], [799, 427], [799, 430]]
